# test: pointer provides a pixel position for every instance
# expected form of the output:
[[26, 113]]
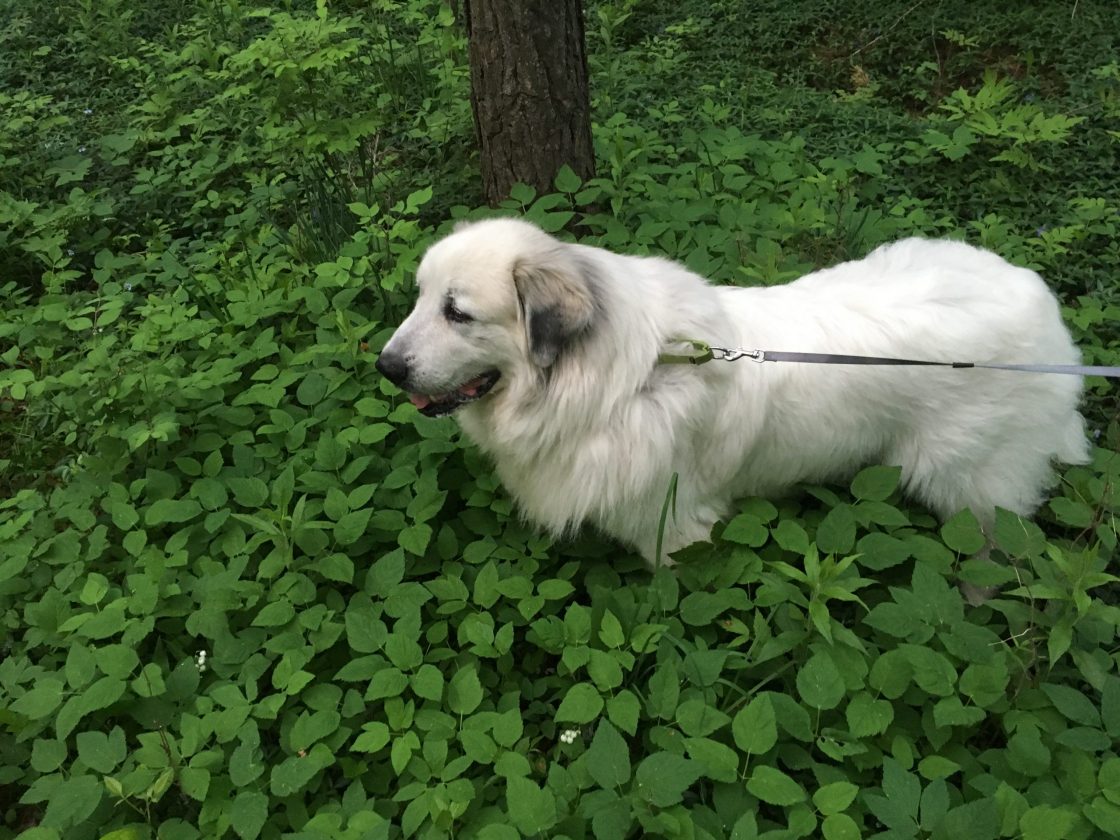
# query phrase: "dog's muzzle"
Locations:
[[393, 367]]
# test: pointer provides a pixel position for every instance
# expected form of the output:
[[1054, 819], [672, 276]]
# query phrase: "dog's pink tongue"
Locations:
[[471, 388], [419, 400]]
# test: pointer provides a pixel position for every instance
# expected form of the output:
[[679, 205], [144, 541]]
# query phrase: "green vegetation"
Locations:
[[247, 591]]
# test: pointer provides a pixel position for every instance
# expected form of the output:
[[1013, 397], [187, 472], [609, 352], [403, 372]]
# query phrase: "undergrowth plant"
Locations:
[[248, 591]]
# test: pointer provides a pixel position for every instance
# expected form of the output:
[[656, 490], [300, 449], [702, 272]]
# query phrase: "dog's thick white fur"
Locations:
[[585, 426]]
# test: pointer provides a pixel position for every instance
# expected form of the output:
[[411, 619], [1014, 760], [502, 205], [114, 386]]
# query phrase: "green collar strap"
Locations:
[[700, 352]]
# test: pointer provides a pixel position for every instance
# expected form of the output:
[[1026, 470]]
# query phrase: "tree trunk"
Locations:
[[532, 111]]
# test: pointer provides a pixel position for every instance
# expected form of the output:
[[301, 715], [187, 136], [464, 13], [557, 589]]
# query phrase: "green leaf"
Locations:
[[611, 819], [623, 711], [530, 808], [962, 533], [373, 737], [901, 787], [581, 704], [415, 538], [47, 754], [386, 573], [313, 727], [1073, 704], [663, 777], [610, 630], [834, 798], [717, 760], [40, 701], [868, 716], [351, 526], [934, 804], [100, 751], [977, 820], [697, 719], [791, 715], [464, 692], [608, 757], [567, 181], [248, 814], [819, 682], [171, 510], [1044, 822], [755, 727], [840, 827], [73, 801], [664, 692], [1072, 512], [1110, 706], [837, 532], [1027, 753], [791, 536], [427, 682], [773, 786], [312, 389], [275, 614], [746, 529], [876, 483]]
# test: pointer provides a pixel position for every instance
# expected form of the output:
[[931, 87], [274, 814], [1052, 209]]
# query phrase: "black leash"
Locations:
[[702, 352]]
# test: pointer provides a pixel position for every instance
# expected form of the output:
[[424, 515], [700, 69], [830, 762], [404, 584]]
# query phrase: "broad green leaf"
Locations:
[[755, 727], [415, 538], [662, 778], [837, 532], [373, 737], [351, 526], [427, 682], [623, 711], [840, 827], [773, 786], [1044, 822], [313, 727], [962, 533], [608, 757], [716, 760], [464, 691], [581, 704], [1073, 704], [819, 682], [248, 814], [746, 529], [834, 798], [876, 483], [171, 510], [531, 809]]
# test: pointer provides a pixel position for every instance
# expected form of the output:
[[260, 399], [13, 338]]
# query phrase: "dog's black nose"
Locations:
[[393, 367]]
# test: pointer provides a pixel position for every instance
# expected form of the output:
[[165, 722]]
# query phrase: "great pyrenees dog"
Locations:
[[549, 354]]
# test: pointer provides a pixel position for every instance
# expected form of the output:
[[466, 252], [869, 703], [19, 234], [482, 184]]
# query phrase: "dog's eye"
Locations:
[[453, 313]]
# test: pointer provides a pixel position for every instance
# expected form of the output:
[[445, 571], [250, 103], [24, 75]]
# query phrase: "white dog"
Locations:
[[550, 353]]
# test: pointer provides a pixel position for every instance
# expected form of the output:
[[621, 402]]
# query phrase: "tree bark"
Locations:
[[529, 92]]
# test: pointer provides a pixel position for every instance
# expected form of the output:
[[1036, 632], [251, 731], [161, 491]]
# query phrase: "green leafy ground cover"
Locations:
[[247, 591]]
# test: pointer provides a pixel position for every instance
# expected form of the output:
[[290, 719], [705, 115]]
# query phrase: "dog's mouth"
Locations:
[[435, 405]]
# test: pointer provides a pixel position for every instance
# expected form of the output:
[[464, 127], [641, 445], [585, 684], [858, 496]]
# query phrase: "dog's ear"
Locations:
[[557, 300]]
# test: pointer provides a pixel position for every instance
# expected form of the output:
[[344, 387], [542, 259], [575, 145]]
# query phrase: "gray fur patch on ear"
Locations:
[[558, 297]]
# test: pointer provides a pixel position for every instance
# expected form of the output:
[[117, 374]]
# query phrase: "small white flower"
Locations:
[[568, 736], [87, 111], [81, 150], [128, 287], [200, 661]]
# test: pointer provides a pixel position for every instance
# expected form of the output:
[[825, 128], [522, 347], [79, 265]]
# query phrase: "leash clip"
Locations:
[[726, 355]]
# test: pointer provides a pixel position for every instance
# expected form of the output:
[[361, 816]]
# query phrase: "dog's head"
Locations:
[[499, 299]]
